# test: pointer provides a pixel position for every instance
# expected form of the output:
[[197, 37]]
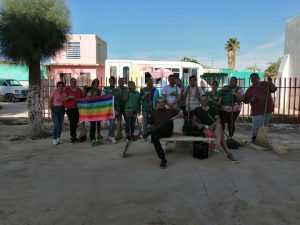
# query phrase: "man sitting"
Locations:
[[208, 121], [162, 125]]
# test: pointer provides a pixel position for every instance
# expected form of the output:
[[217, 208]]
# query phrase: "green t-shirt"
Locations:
[[112, 91], [133, 102], [214, 96], [150, 99], [227, 99], [119, 99]]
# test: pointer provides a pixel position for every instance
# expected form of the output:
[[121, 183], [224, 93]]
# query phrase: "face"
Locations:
[[215, 86], [171, 80], [233, 82], [73, 82], [96, 85], [203, 101], [178, 82], [60, 87], [112, 82], [254, 79], [131, 86], [149, 83], [121, 82], [160, 104], [193, 82]]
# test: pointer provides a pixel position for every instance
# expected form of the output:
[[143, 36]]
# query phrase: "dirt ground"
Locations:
[[76, 184]]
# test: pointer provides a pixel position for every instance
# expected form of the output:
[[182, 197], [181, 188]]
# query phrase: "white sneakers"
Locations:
[[54, 142], [57, 141], [112, 140]]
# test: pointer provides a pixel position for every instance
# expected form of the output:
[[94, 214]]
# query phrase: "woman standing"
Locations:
[[70, 94], [95, 125], [214, 97], [56, 105]]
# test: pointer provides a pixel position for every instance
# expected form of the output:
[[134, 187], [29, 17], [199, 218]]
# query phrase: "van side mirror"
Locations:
[[4, 84]]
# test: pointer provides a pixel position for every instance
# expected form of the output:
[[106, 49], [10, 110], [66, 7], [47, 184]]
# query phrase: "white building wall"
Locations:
[[290, 66]]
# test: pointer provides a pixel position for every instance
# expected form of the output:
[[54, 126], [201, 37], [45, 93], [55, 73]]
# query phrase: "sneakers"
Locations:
[[73, 140], [54, 142], [163, 164], [59, 141], [231, 158], [112, 140]]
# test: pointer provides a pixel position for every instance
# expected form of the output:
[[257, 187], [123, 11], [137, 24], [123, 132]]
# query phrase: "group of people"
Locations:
[[209, 111]]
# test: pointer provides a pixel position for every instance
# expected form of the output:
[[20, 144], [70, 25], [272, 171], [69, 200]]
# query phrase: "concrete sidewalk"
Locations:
[[78, 184]]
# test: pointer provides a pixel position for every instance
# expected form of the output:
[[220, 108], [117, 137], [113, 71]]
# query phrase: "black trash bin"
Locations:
[[200, 149]]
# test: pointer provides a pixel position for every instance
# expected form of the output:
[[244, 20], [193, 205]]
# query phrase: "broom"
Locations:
[[262, 134]]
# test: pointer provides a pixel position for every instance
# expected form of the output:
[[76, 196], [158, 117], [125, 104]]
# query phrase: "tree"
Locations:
[[186, 59], [273, 68], [232, 46], [254, 68], [31, 31]]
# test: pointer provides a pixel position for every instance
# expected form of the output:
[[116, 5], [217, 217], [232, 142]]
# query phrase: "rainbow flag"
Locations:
[[96, 108]]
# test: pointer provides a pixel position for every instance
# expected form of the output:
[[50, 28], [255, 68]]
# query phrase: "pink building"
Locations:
[[83, 58]]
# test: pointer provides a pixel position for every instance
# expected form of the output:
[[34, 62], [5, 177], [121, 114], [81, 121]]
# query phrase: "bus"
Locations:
[[139, 70]]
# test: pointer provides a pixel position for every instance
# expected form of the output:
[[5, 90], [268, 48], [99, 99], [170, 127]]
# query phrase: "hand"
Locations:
[[71, 97], [180, 114], [252, 99], [270, 79]]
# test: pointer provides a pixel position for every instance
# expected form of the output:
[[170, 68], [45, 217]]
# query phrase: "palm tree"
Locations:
[[232, 46], [31, 31]]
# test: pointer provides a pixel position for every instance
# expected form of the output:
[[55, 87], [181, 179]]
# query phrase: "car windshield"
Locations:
[[13, 83]]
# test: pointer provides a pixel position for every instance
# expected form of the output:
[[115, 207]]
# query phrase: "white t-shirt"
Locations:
[[191, 101], [171, 93]]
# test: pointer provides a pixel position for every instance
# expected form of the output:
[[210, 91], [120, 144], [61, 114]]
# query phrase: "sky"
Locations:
[[198, 29]]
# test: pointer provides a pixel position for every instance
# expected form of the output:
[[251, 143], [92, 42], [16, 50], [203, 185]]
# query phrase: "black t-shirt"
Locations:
[[203, 117]]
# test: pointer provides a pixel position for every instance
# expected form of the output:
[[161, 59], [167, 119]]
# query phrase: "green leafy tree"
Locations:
[[273, 68], [186, 59], [232, 46], [31, 31]]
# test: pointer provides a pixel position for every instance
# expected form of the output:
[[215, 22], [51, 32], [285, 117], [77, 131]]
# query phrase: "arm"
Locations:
[[50, 101], [185, 92], [272, 86], [197, 124]]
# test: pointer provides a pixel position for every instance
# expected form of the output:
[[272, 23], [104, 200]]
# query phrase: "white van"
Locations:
[[11, 90]]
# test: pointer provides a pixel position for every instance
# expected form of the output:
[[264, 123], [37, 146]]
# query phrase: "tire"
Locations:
[[9, 98]]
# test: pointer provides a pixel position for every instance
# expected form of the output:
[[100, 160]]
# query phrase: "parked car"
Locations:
[[11, 90]]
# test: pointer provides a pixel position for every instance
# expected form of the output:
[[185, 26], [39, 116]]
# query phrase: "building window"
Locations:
[[126, 74], [73, 50], [113, 71]]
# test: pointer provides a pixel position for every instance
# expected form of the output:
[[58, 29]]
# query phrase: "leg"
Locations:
[[61, 120], [98, 126], [231, 122], [132, 126], [128, 126], [55, 119], [146, 116], [257, 122], [164, 131], [92, 130], [71, 117], [111, 130]]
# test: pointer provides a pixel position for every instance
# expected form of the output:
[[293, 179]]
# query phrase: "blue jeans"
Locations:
[[146, 116], [257, 122], [111, 129], [119, 115], [58, 119]]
